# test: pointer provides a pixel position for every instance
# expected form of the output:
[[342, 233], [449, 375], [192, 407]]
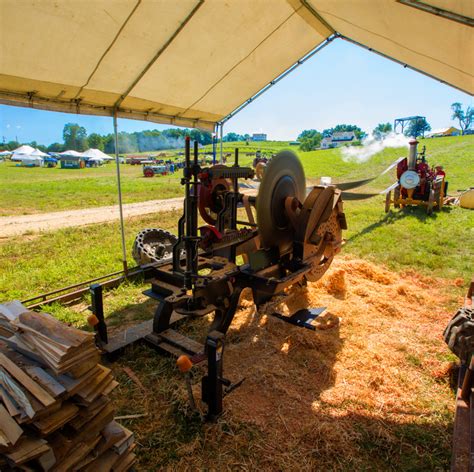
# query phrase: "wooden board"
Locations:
[[56, 420], [461, 432], [47, 381], [9, 427], [131, 335], [42, 395], [27, 449]]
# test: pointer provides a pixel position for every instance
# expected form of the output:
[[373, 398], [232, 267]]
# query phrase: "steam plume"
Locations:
[[371, 146]]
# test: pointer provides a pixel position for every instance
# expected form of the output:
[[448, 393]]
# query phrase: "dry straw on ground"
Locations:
[[368, 390]]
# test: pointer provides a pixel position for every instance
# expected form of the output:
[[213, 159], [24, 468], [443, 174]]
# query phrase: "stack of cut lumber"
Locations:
[[55, 413]]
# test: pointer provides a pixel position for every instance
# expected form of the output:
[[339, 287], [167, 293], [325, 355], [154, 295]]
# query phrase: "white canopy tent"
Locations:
[[20, 153], [25, 149], [38, 153], [70, 152], [96, 154]]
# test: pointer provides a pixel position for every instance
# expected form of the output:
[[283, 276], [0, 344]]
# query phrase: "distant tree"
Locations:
[[109, 143], [381, 130], [232, 137], [75, 137], [96, 141], [359, 134], [327, 133], [202, 137], [417, 128], [12, 145], [56, 147], [465, 118], [310, 139]]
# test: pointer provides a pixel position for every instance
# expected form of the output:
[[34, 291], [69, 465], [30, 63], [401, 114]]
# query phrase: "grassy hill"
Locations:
[[33, 190], [440, 245]]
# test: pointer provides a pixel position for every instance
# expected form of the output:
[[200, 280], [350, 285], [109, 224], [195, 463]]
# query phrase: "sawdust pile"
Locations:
[[368, 390], [376, 368]]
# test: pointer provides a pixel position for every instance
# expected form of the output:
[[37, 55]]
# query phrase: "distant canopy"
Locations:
[[192, 62]]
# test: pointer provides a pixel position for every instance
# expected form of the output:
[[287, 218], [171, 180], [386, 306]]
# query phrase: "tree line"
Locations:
[[75, 137]]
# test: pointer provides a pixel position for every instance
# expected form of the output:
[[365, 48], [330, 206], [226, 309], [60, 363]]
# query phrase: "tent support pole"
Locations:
[[119, 188], [214, 145], [222, 133]]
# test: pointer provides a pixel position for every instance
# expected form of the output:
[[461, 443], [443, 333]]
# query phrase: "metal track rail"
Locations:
[[75, 292]]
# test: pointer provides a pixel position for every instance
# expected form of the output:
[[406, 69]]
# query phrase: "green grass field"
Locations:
[[38, 190], [414, 435], [440, 245]]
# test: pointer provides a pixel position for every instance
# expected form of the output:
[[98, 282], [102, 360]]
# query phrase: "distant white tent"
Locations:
[[91, 153], [32, 161], [6, 153], [71, 153], [19, 153], [39, 153], [25, 149]]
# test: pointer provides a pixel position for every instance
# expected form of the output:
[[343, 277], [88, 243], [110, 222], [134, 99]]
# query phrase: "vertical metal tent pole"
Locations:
[[119, 188], [214, 145], [222, 131]]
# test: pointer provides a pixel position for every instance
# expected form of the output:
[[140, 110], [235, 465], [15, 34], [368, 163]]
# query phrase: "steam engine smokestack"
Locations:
[[412, 154]]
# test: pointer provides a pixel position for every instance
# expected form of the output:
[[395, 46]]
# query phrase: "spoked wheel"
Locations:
[[388, 198], [438, 197], [431, 202], [396, 197], [153, 245], [148, 173]]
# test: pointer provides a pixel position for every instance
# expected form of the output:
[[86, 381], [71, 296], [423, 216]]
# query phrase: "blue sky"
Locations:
[[341, 84]]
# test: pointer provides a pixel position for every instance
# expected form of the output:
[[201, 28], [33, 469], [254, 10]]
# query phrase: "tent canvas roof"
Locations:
[[25, 149], [70, 153], [93, 153], [39, 153], [207, 57]]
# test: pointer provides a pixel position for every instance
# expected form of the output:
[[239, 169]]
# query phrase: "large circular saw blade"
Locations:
[[284, 177]]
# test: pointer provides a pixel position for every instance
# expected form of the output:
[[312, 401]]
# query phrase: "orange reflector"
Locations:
[[184, 363], [92, 320]]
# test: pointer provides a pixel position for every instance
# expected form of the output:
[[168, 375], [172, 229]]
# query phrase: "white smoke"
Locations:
[[371, 146]]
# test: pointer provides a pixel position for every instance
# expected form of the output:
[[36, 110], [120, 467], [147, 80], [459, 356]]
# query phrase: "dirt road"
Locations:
[[18, 225]]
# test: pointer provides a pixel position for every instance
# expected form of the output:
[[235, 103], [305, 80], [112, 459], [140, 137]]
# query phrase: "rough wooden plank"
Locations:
[[38, 392], [131, 335], [460, 460], [9, 402], [127, 337], [124, 463], [9, 427], [47, 460], [16, 393], [178, 340], [46, 380], [56, 420], [27, 449]]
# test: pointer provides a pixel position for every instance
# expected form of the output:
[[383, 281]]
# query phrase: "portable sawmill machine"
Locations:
[[290, 235], [417, 183]]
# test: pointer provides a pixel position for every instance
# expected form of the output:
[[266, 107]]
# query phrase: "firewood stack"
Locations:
[[55, 413]]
